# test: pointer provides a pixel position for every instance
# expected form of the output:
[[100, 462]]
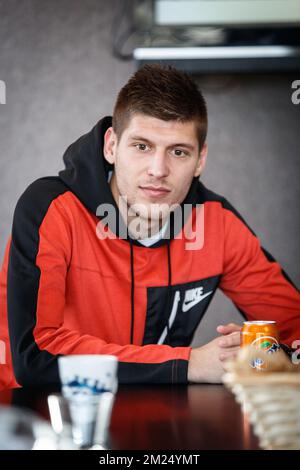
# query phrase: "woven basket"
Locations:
[[271, 397]]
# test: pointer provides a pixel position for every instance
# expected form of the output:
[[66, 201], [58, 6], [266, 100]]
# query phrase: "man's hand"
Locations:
[[206, 363], [230, 342]]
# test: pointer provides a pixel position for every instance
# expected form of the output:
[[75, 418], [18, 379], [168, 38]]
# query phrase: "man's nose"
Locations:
[[158, 166]]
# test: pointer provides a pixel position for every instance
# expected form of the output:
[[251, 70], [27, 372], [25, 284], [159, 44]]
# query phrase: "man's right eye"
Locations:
[[141, 147]]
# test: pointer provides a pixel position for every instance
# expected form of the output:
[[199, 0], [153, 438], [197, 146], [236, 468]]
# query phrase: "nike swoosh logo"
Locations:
[[171, 318], [188, 305]]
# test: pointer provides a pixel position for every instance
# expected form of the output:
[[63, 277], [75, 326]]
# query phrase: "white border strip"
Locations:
[[225, 52]]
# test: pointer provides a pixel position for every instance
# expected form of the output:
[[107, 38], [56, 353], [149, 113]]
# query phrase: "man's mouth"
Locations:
[[155, 191]]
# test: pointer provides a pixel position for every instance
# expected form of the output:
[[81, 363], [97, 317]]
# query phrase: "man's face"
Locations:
[[155, 162]]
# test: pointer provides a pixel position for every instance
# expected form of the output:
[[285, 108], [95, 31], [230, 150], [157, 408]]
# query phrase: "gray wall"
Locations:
[[61, 77]]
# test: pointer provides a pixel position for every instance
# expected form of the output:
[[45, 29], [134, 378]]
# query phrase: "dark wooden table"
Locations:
[[193, 417], [179, 417]]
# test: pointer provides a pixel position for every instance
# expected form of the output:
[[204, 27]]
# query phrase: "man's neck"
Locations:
[[140, 229]]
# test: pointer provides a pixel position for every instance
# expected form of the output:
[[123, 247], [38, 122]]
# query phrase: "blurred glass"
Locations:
[[21, 429]]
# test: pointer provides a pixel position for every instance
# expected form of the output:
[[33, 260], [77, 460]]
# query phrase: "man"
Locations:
[[123, 251]]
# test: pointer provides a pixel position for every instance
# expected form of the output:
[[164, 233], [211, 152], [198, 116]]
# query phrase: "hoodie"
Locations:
[[65, 290]]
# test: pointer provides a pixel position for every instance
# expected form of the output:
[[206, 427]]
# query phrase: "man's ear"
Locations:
[[110, 144], [201, 160]]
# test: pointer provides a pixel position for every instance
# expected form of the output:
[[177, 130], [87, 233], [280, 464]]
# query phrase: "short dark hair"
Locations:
[[162, 92]]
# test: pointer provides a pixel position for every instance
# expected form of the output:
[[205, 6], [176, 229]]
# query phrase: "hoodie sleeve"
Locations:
[[40, 253], [255, 281]]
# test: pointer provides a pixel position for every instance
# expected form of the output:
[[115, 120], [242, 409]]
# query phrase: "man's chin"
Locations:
[[151, 211]]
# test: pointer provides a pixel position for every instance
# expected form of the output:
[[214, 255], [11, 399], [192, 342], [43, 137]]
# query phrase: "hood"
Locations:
[[86, 174], [86, 170]]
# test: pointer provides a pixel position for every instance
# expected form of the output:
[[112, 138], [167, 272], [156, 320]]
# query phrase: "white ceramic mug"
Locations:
[[88, 374]]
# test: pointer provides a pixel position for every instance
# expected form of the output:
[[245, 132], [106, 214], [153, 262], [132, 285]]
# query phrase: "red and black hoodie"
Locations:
[[65, 291]]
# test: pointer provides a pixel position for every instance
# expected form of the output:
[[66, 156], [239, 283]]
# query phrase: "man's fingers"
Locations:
[[229, 328], [230, 340], [224, 356]]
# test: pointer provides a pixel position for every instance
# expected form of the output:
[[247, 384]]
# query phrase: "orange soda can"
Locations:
[[262, 335]]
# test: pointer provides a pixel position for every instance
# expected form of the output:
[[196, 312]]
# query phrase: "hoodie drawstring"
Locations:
[[168, 302], [169, 292], [132, 290]]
